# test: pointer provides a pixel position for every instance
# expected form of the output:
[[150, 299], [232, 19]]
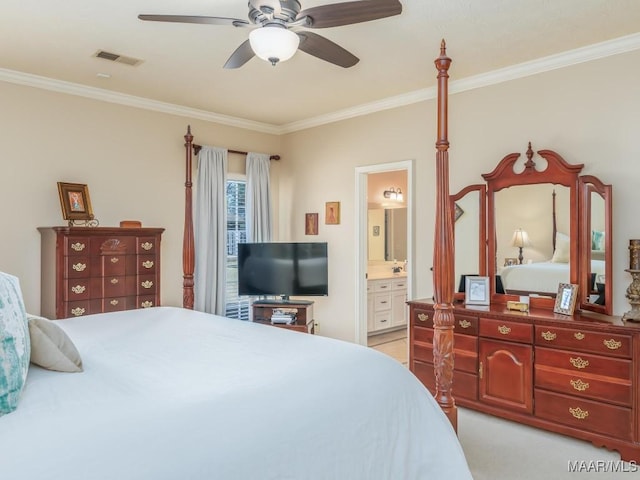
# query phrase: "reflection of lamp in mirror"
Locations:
[[393, 194], [520, 239]]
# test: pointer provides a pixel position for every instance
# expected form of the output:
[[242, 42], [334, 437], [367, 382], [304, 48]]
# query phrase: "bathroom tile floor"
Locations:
[[393, 344]]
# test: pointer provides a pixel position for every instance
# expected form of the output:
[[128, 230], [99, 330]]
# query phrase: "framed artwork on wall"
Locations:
[[311, 224], [332, 213], [75, 201]]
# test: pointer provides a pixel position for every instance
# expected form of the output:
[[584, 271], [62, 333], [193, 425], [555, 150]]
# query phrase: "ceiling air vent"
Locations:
[[114, 57]]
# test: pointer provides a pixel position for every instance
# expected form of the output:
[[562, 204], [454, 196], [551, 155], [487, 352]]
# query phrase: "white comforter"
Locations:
[[173, 394], [540, 277]]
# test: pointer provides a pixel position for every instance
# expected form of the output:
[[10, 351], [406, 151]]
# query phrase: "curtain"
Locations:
[[210, 231], [259, 228]]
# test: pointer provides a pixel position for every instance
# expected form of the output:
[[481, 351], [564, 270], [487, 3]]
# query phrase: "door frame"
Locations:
[[361, 259]]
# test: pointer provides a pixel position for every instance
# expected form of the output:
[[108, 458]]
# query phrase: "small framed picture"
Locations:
[[311, 224], [566, 298], [476, 291], [74, 201], [332, 213], [508, 262]]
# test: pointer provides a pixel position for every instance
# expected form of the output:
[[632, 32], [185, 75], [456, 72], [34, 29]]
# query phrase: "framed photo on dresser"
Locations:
[[75, 201]]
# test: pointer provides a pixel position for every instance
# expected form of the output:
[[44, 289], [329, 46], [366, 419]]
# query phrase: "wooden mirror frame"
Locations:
[[589, 184], [482, 230], [558, 172]]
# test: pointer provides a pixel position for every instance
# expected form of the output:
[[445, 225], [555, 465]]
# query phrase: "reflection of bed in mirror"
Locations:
[[541, 278]]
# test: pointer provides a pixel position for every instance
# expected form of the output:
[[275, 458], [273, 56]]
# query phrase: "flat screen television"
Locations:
[[283, 269]]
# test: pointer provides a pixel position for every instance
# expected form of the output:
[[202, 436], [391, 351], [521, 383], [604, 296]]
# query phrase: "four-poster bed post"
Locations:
[[443, 318]]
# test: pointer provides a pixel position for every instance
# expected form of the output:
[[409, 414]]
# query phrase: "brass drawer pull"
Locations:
[[612, 344], [504, 330], [579, 385], [79, 267], [579, 413], [579, 362], [146, 304], [78, 247], [77, 311], [146, 245], [114, 259], [147, 284], [579, 335], [114, 281], [114, 302], [549, 336], [78, 289], [147, 264], [464, 323], [423, 317]]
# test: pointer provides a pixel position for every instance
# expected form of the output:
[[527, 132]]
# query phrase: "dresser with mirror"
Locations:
[[535, 223]]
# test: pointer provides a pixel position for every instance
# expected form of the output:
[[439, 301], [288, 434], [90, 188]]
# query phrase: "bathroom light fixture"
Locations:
[[393, 194], [274, 43]]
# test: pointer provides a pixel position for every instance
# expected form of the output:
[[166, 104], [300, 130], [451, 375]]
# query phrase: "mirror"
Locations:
[[468, 208], [532, 225], [544, 225], [596, 292], [387, 229]]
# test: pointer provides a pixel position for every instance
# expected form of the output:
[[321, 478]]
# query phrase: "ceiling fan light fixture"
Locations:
[[274, 44]]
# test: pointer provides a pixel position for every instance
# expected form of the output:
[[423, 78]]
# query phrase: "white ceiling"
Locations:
[[182, 63]]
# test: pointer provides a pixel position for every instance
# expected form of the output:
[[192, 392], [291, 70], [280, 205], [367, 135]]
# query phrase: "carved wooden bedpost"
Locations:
[[188, 258], [443, 319]]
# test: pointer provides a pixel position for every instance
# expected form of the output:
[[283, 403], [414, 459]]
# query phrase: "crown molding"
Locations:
[[553, 62], [572, 57], [61, 86]]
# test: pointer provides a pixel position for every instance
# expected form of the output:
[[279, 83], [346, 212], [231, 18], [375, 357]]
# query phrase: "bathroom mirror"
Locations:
[[387, 232]]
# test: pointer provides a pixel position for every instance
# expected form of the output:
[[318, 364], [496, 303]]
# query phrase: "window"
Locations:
[[236, 307]]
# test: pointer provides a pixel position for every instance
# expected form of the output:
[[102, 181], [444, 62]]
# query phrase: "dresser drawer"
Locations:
[[146, 301], [506, 330], [116, 245], [585, 341], [77, 267], [146, 264], [583, 385], [399, 283], [146, 285], [465, 351], [422, 317], [147, 245], [382, 320], [584, 414], [466, 324], [76, 245], [76, 289], [584, 363], [113, 265], [465, 385]]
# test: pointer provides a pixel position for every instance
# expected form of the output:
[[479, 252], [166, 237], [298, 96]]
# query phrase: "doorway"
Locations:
[[368, 237]]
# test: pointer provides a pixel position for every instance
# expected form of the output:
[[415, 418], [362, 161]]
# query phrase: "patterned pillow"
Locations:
[[15, 348]]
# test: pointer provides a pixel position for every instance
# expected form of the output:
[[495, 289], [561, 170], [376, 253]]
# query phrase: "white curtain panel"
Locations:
[[259, 228], [210, 231]]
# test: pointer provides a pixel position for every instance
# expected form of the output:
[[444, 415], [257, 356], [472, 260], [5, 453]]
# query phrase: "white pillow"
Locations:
[[51, 347], [563, 249]]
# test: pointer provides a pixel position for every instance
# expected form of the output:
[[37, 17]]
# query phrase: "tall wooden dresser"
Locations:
[[88, 270]]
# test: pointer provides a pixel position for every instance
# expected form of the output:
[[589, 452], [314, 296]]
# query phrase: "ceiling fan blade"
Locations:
[[325, 49], [272, 6], [236, 22], [347, 13], [242, 55]]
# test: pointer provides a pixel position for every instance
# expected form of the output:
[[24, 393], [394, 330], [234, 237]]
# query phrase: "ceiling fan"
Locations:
[[273, 38]]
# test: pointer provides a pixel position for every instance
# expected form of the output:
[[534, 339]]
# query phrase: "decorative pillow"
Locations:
[[51, 347], [597, 240], [14, 343], [563, 248]]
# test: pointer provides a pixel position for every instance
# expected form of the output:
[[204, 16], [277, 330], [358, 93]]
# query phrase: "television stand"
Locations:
[[263, 309]]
